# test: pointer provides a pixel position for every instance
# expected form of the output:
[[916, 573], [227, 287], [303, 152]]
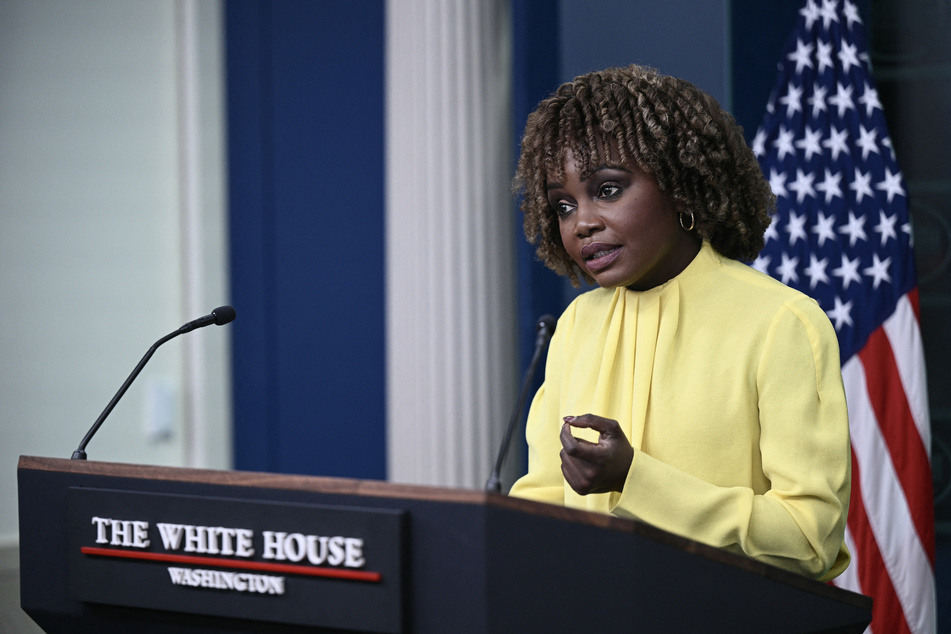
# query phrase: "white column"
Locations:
[[200, 128], [189, 152], [451, 357]]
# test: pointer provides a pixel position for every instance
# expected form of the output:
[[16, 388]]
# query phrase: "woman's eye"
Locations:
[[563, 208], [608, 190]]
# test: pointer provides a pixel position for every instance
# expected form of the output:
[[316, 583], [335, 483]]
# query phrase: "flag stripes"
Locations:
[[904, 334], [895, 566], [891, 410], [868, 572]]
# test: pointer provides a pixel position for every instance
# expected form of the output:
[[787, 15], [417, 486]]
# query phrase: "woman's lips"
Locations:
[[599, 256]]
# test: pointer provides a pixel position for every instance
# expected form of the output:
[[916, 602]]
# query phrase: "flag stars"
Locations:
[[824, 228], [878, 271], [836, 142], [777, 182], [759, 143], [869, 99], [802, 56], [787, 269], [796, 227], [906, 229], [792, 99], [841, 314], [849, 57], [816, 271], [854, 228], [784, 142], [771, 233], [802, 185], [867, 141], [848, 270], [818, 100], [811, 13], [851, 14], [891, 185], [886, 226], [887, 142], [810, 143], [828, 14], [821, 139], [824, 55], [842, 99], [861, 185], [830, 186]]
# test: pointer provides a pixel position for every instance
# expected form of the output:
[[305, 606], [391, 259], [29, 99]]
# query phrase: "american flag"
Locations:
[[842, 235]]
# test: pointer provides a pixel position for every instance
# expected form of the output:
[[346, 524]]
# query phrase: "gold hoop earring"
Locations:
[[681, 217]]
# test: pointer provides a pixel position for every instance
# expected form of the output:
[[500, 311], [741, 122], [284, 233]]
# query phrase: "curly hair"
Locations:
[[664, 126]]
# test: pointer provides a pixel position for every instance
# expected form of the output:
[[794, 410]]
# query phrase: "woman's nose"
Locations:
[[587, 219]]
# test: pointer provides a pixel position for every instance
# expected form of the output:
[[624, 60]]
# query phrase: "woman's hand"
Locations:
[[595, 468]]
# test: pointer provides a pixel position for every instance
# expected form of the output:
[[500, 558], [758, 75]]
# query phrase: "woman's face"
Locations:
[[619, 228]]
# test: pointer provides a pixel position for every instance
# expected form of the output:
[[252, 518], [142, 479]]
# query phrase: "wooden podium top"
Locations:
[[380, 489], [526, 522]]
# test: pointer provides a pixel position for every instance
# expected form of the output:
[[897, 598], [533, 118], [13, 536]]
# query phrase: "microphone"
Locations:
[[545, 328], [219, 316]]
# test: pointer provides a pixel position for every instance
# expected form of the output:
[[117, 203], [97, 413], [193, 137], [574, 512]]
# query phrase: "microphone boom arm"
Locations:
[[220, 316], [80, 453], [546, 327]]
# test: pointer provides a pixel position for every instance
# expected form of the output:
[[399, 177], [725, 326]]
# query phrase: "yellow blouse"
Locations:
[[728, 385]]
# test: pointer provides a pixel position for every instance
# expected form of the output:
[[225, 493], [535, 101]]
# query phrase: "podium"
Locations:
[[107, 547]]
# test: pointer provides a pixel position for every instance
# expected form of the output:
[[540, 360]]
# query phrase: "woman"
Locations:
[[690, 391]]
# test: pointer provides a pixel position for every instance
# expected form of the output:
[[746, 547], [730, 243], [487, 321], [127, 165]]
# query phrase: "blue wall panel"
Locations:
[[536, 74], [683, 38], [306, 149]]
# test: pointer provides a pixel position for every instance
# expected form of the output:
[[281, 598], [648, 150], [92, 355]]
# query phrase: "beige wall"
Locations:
[[101, 253]]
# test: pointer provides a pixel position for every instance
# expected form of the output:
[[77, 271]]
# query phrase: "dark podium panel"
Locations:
[[108, 547]]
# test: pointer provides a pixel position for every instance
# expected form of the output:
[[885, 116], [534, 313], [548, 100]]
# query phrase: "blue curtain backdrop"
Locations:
[[305, 105]]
